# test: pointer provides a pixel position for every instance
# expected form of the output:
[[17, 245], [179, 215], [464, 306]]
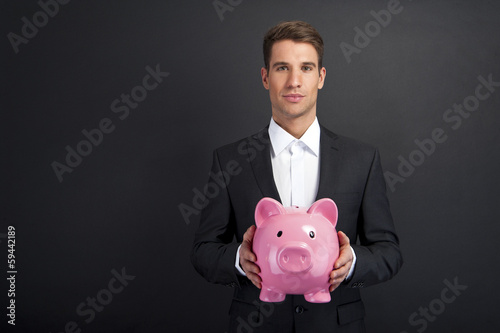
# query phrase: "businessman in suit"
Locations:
[[296, 161]]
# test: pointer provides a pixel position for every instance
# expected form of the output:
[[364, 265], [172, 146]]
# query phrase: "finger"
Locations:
[[256, 280], [341, 261], [246, 253], [343, 239], [338, 275], [335, 282], [345, 254], [339, 272], [249, 267], [248, 235], [344, 257], [246, 245], [334, 286], [254, 277]]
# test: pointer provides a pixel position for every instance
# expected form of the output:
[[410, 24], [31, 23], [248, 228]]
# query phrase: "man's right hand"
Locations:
[[248, 258]]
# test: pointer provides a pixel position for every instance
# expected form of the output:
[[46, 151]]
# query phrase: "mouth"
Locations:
[[293, 98]]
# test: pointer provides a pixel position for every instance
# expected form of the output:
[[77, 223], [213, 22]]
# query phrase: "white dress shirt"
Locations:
[[295, 165]]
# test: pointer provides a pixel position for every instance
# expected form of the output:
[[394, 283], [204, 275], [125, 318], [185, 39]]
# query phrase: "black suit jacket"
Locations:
[[351, 175]]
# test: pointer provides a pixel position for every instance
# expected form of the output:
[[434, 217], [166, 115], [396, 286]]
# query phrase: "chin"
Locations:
[[297, 113], [293, 115]]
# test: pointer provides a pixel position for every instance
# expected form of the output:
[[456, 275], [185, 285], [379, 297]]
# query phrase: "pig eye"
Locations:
[[311, 234], [279, 233]]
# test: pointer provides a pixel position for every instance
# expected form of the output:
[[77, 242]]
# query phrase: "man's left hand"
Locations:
[[343, 264]]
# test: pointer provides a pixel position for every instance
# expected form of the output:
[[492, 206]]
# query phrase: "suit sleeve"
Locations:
[[378, 254], [214, 252]]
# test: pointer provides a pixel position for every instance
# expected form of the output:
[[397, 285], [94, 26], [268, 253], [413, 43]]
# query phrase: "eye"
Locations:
[[279, 233], [281, 68], [307, 68], [311, 234]]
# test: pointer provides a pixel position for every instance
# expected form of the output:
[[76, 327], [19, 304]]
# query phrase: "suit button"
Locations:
[[299, 309]]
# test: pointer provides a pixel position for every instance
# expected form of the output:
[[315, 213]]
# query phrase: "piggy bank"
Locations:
[[296, 249]]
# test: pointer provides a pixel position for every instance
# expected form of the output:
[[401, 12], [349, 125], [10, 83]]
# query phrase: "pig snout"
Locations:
[[295, 258]]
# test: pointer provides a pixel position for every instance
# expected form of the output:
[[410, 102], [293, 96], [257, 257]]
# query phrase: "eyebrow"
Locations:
[[312, 64], [283, 63], [279, 63]]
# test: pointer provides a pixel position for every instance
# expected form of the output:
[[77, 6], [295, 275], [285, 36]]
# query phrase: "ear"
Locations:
[[322, 76], [327, 208], [265, 208], [265, 77]]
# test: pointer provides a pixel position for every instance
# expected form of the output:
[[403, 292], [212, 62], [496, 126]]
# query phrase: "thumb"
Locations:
[[248, 235], [343, 239]]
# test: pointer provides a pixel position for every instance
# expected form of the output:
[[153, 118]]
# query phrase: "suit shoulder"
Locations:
[[357, 144], [349, 143], [236, 147]]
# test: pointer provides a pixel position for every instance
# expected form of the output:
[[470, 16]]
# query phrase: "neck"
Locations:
[[295, 126]]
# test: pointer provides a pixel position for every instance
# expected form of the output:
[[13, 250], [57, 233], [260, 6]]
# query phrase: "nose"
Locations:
[[295, 259], [294, 79]]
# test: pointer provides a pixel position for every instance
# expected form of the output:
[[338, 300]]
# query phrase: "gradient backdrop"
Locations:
[[110, 111]]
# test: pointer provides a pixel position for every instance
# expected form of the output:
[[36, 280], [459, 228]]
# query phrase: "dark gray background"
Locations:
[[119, 207]]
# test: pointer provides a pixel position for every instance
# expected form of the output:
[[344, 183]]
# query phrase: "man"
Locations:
[[297, 161]]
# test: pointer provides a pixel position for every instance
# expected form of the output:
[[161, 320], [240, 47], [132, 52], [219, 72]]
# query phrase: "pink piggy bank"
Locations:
[[296, 249]]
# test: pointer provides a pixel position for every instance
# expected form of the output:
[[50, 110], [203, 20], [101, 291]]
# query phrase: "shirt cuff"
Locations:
[[237, 262], [351, 270]]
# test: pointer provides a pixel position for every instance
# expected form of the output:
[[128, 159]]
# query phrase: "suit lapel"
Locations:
[[261, 163], [329, 164], [263, 170]]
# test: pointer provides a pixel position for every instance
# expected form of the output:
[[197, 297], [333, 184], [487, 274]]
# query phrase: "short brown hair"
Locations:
[[298, 31]]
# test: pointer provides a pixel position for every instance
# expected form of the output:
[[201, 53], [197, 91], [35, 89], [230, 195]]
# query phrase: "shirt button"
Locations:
[[299, 309]]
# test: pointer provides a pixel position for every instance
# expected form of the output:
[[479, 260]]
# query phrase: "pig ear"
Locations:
[[327, 208], [265, 208]]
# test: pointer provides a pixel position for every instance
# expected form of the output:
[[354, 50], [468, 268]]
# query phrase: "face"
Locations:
[[293, 80]]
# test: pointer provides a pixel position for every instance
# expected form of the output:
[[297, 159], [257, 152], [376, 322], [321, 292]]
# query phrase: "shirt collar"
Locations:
[[280, 139]]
